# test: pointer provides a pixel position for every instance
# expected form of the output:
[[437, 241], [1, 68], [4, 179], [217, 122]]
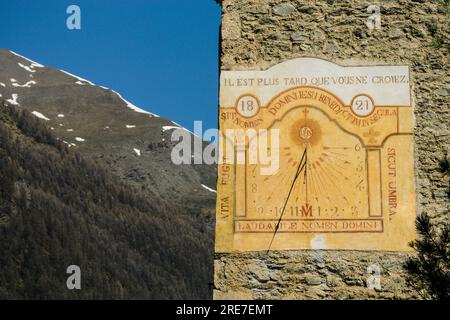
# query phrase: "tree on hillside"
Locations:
[[429, 270]]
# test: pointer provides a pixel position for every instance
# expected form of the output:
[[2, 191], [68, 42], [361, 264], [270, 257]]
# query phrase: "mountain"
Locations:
[[101, 124], [133, 147]]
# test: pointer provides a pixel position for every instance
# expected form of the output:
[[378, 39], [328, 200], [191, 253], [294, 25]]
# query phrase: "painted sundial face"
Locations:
[[332, 183], [344, 177]]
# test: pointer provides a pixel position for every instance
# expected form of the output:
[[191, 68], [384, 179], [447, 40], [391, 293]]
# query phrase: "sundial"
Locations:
[[342, 169]]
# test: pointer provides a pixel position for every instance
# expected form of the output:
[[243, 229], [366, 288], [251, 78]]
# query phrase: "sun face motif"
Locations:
[[333, 169], [306, 132]]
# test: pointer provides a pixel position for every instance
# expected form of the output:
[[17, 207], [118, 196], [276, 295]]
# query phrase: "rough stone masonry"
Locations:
[[259, 33]]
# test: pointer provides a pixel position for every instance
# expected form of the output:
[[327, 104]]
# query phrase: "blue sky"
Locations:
[[161, 55]]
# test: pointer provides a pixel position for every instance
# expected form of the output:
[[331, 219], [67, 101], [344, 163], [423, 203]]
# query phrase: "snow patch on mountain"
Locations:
[[132, 106], [77, 77], [40, 116], [60, 115], [33, 63], [69, 130], [165, 128], [178, 126], [129, 126], [2, 84], [69, 144], [79, 139], [208, 188], [27, 68], [138, 152], [26, 85], [13, 99]]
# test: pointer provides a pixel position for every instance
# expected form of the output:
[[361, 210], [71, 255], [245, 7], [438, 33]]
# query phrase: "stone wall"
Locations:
[[260, 33]]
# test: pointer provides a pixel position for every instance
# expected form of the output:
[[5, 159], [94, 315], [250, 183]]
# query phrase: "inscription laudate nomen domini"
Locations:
[[346, 168]]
